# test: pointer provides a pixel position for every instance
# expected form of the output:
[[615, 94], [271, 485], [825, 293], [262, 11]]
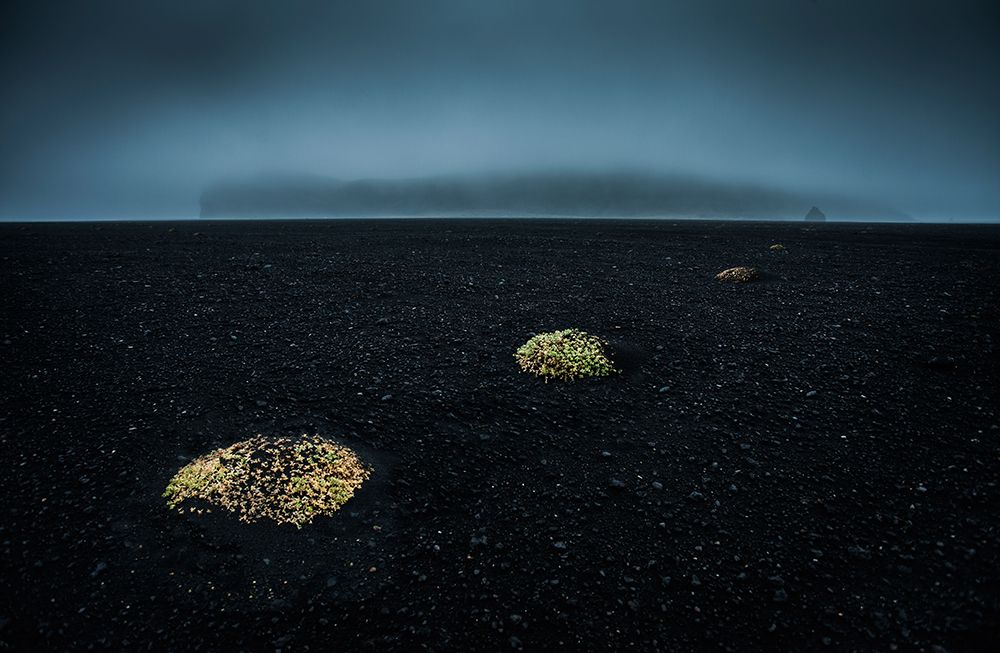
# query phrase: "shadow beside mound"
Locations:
[[629, 358]]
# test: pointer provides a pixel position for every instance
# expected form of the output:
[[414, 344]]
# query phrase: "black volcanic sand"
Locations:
[[805, 463]]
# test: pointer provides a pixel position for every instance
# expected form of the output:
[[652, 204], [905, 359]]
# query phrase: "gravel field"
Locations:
[[807, 462]]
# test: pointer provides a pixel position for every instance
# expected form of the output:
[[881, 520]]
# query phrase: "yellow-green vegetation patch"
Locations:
[[777, 247], [738, 275], [288, 479], [568, 354]]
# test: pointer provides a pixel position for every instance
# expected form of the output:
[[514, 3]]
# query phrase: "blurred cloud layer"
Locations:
[[124, 108]]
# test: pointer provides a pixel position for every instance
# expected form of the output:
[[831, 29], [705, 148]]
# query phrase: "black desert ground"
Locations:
[[806, 461]]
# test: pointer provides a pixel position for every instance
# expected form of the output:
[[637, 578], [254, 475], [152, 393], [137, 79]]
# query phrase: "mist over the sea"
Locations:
[[116, 108]]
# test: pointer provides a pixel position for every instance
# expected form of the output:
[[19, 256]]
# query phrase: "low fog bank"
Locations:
[[552, 193]]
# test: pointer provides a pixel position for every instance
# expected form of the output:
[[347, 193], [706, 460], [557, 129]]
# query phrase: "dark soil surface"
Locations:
[[805, 463]]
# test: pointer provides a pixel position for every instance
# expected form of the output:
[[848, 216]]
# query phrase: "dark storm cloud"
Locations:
[[131, 108]]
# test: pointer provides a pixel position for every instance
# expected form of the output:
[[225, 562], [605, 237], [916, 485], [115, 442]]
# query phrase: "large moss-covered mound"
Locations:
[[287, 479], [568, 354]]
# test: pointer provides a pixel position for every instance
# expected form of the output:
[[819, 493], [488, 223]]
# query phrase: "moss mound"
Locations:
[[777, 247], [568, 354], [738, 275], [288, 479]]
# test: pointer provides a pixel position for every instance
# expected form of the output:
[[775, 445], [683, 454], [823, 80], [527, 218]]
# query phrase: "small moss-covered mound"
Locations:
[[738, 275], [777, 247], [288, 479], [568, 354]]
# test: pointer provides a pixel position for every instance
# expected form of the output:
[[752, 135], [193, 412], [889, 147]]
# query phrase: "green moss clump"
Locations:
[[777, 247], [288, 480], [566, 355]]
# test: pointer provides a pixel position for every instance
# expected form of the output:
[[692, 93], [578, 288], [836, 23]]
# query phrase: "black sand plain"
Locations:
[[805, 463]]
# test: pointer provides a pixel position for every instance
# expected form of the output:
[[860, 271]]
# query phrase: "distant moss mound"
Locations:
[[290, 480], [738, 275], [565, 355], [777, 247]]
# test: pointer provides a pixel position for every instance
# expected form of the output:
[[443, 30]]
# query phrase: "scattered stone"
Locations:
[[859, 552], [943, 363]]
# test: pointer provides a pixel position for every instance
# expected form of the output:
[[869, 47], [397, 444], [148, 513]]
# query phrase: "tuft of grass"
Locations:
[[777, 247], [290, 480], [738, 275], [566, 355]]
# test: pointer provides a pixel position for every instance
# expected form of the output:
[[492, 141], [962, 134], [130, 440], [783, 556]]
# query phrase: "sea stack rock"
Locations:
[[815, 215]]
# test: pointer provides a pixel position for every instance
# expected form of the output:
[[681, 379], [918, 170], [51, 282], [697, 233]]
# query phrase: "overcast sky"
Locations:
[[132, 107]]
